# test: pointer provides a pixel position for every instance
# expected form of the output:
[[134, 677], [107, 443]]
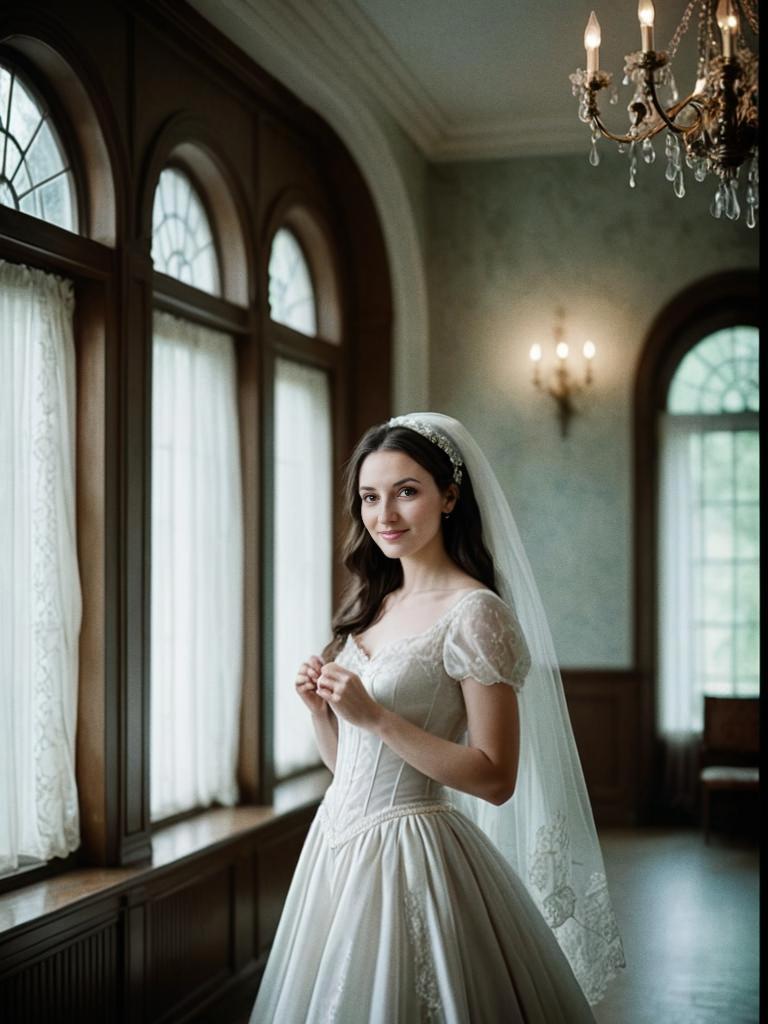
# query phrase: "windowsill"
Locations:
[[170, 846]]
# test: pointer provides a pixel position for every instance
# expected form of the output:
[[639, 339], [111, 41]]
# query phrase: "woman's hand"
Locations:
[[306, 685], [346, 695]]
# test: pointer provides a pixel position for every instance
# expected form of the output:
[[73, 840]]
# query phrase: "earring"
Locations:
[[446, 515]]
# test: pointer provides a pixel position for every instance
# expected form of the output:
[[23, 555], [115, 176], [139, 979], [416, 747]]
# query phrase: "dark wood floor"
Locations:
[[689, 917]]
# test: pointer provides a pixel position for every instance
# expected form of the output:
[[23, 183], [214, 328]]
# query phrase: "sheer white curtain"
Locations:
[[303, 550], [197, 568], [678, 540], [40, 602]]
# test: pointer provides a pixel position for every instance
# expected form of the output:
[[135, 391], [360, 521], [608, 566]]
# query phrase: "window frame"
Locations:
[[710, 304], [32, 241], [327, 350], [47, 99], [187, 302]]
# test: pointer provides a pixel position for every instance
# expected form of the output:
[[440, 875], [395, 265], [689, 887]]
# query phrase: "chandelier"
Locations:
[[713, 130]]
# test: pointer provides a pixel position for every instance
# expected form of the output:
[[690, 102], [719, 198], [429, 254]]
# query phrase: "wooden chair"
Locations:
[[730, 749]]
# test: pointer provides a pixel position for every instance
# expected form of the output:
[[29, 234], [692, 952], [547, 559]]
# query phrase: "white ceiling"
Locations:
[[465, 79]]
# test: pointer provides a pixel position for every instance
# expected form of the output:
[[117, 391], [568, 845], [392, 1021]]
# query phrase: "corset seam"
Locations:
[[338, 837]]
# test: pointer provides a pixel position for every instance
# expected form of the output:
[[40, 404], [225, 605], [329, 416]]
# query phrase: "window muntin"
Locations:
[[303, 549], [718, 375], [35, 174], [182, 238], [291, 292]]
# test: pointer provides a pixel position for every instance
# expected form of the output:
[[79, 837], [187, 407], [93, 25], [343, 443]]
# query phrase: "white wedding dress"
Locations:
[[401, 910]]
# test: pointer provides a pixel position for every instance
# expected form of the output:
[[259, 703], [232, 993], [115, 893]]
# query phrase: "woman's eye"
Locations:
[[366, 497], [411, 490]]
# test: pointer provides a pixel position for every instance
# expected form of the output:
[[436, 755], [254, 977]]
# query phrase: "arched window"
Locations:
[[35, 174], [40, 588], [304, 383], [291, 293], [708, 528], [196, 521], [182, 239]]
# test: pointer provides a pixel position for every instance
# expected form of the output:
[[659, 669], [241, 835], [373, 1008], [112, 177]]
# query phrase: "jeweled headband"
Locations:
[[436, 437]]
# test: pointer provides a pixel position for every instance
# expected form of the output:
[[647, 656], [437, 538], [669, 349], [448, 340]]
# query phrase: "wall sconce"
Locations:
[[563, 384]]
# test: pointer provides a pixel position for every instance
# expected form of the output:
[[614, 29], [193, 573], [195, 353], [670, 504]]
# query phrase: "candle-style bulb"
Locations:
[[727, 16], [646, 14], [589, 350], [561, 350], [592, 44], [728, 23], [535, 353], [592, 33]]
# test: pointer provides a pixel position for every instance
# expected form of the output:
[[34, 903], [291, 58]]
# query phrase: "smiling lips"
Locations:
[[392, 534]]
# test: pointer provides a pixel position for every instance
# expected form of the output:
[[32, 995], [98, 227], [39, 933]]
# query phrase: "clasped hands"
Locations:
[[330, 685]]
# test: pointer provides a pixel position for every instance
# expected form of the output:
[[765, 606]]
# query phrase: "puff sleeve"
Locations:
[[484, 641]]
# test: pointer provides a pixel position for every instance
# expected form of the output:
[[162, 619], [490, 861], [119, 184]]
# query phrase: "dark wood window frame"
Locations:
[[722, 300]]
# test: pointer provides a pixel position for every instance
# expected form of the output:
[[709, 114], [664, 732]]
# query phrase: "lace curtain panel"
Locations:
[[40, 603], [197, 568]]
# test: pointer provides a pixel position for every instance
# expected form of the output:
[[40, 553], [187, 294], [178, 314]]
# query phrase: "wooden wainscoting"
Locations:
[[605, 710], [155, 944]]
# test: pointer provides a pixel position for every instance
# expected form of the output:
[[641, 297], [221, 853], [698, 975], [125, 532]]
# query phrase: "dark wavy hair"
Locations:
[[372, 574]]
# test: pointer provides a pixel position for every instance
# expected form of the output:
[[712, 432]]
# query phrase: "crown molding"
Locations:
[[494, 140], [338, 40]]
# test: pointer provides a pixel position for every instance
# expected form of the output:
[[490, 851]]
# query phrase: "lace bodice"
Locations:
[[418, 677]]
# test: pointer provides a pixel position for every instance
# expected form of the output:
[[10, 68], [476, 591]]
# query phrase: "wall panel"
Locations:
[[165, 944]]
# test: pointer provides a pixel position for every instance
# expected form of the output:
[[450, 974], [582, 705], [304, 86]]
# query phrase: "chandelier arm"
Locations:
[[668, 117], [626, 140]]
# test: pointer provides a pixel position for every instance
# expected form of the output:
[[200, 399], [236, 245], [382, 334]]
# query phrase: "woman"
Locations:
[[426, 890]]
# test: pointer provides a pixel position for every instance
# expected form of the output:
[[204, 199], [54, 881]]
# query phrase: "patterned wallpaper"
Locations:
[[509, 242]]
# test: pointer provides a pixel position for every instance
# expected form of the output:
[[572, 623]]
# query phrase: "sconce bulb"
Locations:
[[589, 350], [535, 353], [562, 350]]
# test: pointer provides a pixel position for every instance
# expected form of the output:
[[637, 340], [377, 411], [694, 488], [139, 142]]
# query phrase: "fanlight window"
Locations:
[[182, 240], [291, 294], [35, 176], [719, 375]]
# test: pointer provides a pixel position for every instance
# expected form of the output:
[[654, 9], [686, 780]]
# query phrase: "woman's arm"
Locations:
[[486, 768]]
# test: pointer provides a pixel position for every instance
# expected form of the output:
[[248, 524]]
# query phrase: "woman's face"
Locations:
[[401, 504]]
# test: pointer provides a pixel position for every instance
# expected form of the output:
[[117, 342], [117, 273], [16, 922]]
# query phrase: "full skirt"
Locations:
[[417, 919]]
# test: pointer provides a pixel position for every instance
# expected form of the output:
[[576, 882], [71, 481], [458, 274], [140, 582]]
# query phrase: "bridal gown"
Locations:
[[401, 910]]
